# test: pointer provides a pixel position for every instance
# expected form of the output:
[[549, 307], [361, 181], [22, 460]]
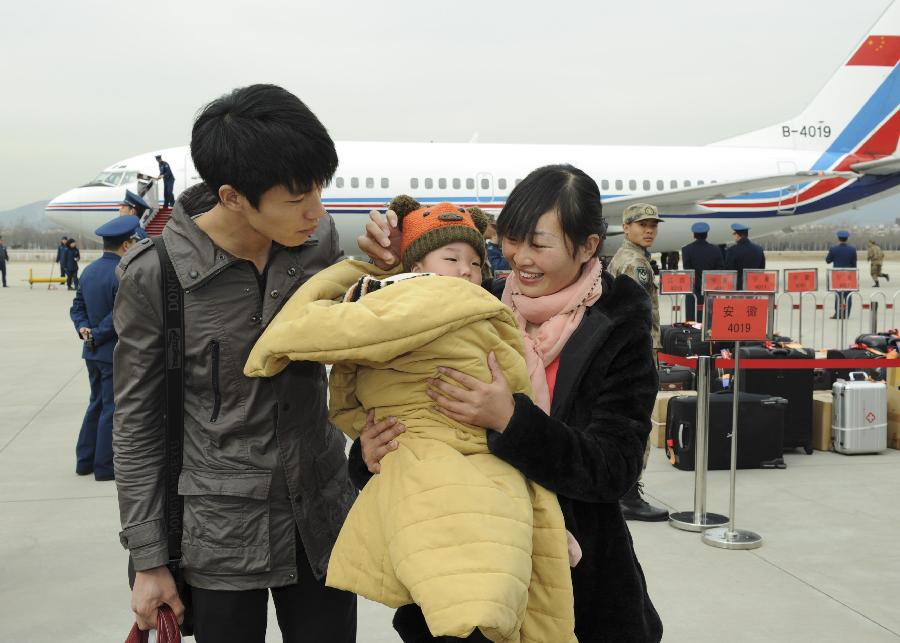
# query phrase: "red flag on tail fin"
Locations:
[[877, 51]]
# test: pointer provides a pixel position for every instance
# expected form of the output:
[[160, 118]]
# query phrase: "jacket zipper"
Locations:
[[217, 394]]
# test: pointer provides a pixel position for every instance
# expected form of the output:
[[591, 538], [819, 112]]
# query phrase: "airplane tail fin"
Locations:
[[855, 112]]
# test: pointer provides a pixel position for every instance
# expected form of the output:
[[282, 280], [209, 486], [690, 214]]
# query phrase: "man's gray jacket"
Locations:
[[261, 460]]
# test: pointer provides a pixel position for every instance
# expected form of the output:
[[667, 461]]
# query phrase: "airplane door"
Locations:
[[789, 195], [484, 187]]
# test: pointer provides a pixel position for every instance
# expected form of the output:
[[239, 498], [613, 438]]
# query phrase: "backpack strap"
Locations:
[[173, 345]]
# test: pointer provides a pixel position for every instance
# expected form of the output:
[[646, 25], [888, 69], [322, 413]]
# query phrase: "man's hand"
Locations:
[[382, 239], [152, 588], [377, 440], [84, 332]]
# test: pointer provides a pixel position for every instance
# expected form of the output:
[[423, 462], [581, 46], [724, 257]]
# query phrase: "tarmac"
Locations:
[[828, 570]]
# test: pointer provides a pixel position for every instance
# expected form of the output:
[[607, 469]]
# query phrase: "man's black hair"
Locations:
[[742, 233], [701, 235], [564, 188], [259, 137], [112, 244]]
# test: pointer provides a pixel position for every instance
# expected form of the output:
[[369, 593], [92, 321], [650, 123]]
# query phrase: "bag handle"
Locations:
[[166, 628]]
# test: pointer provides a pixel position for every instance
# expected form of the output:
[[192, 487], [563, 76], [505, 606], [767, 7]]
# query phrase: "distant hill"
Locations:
[[32, 214]]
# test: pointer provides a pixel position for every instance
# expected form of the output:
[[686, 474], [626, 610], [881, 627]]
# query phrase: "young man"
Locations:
[[875, 257], [4, 257], [640, 223], [92, 314], [264, 477], [61, 255], [842, 255], [744, 254], [168, 179]]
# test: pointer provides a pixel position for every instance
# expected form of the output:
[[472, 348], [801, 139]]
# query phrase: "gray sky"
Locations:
[[89, 82]]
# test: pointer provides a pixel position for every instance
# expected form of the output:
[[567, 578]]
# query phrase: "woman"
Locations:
[[71, 257], [593, 335]]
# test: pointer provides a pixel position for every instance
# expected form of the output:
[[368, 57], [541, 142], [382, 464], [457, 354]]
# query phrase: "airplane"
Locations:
[[839, 153]]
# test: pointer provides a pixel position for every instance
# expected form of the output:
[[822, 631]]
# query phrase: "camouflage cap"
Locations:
[[640, 212]]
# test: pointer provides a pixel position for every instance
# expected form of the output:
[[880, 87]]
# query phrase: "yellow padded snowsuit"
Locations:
[[445, 524]]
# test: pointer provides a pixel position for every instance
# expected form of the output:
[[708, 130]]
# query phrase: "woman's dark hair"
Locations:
[[563, 188], [258, 137]]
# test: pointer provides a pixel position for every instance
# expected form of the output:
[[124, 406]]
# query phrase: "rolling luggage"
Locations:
[[760, 431], [795, 385], [675, 378], [682, 340], [859, 417], [854, 353]]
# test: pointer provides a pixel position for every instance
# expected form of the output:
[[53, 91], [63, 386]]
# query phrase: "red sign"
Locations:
[[761, 281], [676, 282], [720, 281], [735, 319], [844, 280], [801, 281]]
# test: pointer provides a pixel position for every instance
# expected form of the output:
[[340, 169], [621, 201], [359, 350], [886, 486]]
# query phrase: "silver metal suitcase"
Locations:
[[859, 416]]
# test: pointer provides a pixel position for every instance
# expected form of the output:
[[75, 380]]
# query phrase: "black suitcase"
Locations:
[[854, 353], [682, 341], [822, 380], [675, 378], [795, 385], [760, 431]]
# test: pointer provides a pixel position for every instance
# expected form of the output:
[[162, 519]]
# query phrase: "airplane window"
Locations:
[[370, 182], [457, 184], [604, 184], [414, 184], [646, 185], [687, 184], [660, 184], [701, 182], [501, 184], [673, 184], [632, 184], [354, 182], [429, 183], [130, 177], [339, 182], [442, 184], [518, 181], [713, 181], [470, 184], [385, 183], [106, 178], [619, 185], [485, 184]]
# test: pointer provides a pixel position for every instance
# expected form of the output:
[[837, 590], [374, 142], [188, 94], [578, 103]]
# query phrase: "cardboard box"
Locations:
[[893, 403], [821, 420], [658, 420]]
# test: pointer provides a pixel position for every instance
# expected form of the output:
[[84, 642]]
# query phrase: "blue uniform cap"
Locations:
[[700, 228], [135, 201], [740, 227], [843, 234], [119, 227]]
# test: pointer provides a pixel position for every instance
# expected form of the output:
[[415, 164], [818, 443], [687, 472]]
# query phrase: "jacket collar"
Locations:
[[195, 257], [623, 302], [640, 249]]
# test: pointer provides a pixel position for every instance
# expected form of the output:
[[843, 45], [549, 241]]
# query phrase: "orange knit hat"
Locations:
[[431, 227]]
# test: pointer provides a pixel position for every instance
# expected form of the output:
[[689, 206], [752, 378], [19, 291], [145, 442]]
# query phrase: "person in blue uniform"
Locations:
[[698, 256], [4, 257], [498, 262], [842, 255], [168, 179], [744, 254], [71, 257], [61, 255], [91, 314], [134, 205]]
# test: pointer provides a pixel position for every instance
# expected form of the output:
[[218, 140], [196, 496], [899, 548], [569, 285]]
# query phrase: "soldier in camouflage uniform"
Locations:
[[875, 256], [640, 222], [633, 259]]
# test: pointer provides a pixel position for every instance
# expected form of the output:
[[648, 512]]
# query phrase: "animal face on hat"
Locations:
[[431, 227]]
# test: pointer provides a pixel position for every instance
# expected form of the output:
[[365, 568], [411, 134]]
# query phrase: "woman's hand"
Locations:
[[382, 239], [488, 405], [377, 440]]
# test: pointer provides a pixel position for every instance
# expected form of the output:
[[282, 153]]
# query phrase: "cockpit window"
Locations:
[[131, 177], [107, 178]]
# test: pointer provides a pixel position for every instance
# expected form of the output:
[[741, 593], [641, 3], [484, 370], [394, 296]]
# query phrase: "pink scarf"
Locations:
[[554, 317]]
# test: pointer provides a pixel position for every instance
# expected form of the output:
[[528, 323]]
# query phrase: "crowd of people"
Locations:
[[498, 443]]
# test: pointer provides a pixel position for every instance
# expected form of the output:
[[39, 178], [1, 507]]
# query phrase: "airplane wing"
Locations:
[[880, 167], [692, 199]]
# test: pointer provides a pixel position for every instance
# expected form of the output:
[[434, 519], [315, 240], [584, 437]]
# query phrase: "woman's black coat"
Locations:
[[589, 451]]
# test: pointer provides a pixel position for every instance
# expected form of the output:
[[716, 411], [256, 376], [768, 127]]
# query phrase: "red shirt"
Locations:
[[551, 370]]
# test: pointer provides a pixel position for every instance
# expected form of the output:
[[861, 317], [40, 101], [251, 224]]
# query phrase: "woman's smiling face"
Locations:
[[544, 263]]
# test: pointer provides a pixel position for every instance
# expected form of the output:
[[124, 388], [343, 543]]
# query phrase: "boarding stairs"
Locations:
[[154, 226]]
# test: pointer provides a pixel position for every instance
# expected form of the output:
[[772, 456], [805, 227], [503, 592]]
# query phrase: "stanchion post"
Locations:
[[873, 317], [698, 519]]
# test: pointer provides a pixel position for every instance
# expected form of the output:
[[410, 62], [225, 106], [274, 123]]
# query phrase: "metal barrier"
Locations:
[[43, 280], [780, 307]]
